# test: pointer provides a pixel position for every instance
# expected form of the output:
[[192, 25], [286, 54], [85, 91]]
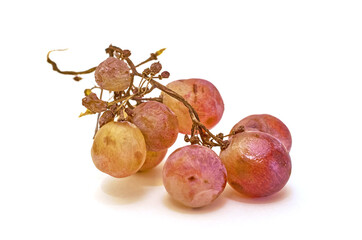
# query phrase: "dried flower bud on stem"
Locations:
[[121, 107], [94, 104]]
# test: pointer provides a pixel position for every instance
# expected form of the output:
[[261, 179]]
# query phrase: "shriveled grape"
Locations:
[[203, 97], [119, 149], [194, 175], [268, 124], [257, 164], [153, 159], [157, 123], [113, 75]]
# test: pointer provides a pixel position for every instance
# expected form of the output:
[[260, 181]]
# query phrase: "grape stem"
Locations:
[[98, 116], [205, 133], [208, 139], [55, 67]]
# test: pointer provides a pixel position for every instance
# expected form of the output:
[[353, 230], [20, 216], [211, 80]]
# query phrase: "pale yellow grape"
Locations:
[[119, 149]]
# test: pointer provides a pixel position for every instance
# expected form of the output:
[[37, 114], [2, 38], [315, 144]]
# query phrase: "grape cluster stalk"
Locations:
[[121, 105]]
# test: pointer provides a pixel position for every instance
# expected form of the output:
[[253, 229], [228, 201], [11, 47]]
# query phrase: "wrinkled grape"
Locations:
[[257, 164], [268, 124], [157, 123], [194, 175], [119, 149], [203, 97], [113, 75], [153, 159]]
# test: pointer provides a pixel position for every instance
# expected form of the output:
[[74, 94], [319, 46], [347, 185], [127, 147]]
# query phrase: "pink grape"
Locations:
[[153, 159], [113, 75], [119, 149], [268, 124], [157, 123], [257, 164], [203, 97], [194, 175]]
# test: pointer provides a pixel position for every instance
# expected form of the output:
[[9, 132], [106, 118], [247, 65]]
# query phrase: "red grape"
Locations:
[[268, 124], [257, 164], [119, 149], [203, 97], [113, 75], [194, 175], [157, 123]]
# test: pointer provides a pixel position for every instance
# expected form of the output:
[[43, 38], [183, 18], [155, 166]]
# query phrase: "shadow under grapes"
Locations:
[[129, 189]]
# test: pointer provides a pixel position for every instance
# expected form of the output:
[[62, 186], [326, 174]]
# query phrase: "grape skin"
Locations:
[[153, 159], [203, 97], [194, 175], [119, 149], [257, 164], [268, 124], [157, 123], [113, 75]]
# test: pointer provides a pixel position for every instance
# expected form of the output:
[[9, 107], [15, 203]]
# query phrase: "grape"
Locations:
[[119, 149], [113, 75], [257, 164], [203, 97], [153, 159], [194, 175], [157, 123], [268, 124]]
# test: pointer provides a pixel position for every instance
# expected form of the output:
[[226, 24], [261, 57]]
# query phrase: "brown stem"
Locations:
[[151, 58], [158, 99], [98, 116], [193, 114], [117, 101], [55, 67], [197, 127]]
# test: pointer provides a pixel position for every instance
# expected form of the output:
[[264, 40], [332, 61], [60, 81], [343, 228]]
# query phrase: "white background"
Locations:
[[300, 61]]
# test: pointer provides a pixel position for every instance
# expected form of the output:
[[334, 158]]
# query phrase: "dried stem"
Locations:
[[98, 116], [207, 138], [158, 99], [55, 67], [151, 58]]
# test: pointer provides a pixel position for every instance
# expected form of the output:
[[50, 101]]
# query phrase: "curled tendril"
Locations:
[[55, 67]]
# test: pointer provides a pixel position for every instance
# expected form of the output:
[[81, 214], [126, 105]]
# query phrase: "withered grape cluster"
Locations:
[[134, 132]]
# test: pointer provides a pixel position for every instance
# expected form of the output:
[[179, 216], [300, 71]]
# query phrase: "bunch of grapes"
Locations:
[[134, 131]]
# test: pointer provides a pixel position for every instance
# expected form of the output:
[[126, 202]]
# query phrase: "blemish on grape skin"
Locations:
[[108, 141], [191, 179]]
